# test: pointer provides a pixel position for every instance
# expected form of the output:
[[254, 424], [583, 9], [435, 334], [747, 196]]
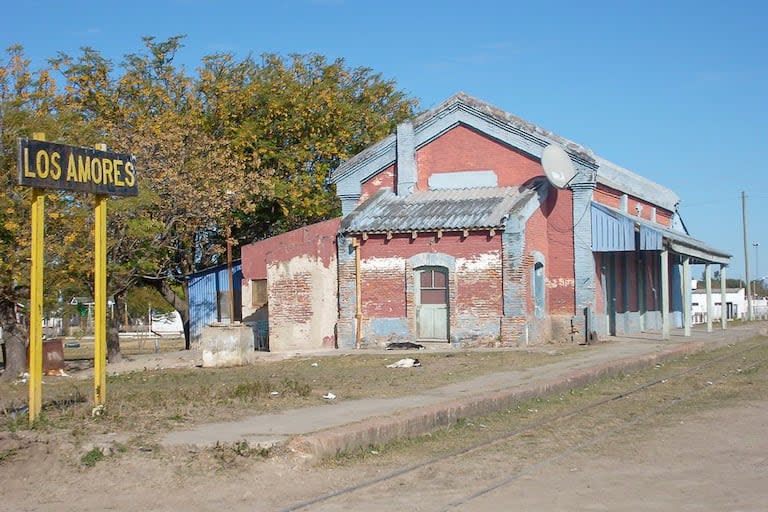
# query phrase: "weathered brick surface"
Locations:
[[475, 289], [464, 149], [612, 197], [291, 299], [300, 269], [384, 179]]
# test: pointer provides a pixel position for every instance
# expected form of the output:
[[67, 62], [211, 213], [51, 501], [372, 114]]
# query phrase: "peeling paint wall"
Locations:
[[388, 270], [302, 303], [300, 270]]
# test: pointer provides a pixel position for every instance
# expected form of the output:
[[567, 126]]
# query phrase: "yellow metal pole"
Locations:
[[36, 302], [100, 297]]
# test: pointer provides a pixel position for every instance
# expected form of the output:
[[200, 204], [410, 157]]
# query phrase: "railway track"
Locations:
[[551, 438]]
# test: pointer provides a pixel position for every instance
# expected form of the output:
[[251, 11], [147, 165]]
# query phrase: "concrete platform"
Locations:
[[315, 432]]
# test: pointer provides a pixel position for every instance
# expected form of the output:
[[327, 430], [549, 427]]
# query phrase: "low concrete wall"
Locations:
[[225, 345]]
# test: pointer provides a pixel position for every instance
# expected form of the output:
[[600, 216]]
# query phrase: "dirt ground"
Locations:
[[711, 459], [716, 460]]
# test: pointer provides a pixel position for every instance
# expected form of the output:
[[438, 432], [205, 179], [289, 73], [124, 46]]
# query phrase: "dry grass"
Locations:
[[150, 402], [721, 385]]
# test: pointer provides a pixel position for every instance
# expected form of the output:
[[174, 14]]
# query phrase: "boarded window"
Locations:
[[259, 293]]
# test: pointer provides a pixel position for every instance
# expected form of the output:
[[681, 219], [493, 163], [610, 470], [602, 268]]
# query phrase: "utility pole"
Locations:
[[746, 253]]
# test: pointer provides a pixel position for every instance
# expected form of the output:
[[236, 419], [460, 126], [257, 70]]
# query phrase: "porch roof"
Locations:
[[457, 209], [614, 230]]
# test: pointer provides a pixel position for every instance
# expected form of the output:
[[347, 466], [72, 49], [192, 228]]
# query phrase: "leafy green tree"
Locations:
[[238, 153], [26, 100], [187, 178], [298, 117]]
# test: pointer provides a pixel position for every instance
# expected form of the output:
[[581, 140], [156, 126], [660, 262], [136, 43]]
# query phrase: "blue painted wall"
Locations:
[[204, 289]]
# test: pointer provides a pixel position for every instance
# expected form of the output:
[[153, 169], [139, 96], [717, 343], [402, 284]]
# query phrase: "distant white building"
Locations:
[[735, 304]]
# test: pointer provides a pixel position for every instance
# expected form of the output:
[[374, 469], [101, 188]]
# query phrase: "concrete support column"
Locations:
[[664, 258], [686, 290], [708, 284], [584, 258], [723, 298], [346, 328]]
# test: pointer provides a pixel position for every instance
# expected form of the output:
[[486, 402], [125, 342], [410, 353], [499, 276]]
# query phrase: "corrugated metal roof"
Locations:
[[652, 234], [477, 208]]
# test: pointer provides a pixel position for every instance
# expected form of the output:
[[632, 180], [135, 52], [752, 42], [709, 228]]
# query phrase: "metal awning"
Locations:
[[614, 230]]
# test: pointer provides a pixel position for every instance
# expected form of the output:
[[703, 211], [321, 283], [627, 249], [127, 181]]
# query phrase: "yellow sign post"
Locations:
[[100, 297], [44, 165], [36, 302]]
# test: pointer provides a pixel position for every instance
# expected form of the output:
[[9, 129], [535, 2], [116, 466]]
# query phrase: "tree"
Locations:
[[298, 117], [25, 107], [279, 129], [189, 181], [239, 153]]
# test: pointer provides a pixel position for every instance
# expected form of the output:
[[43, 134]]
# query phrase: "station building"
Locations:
[[453, 232]]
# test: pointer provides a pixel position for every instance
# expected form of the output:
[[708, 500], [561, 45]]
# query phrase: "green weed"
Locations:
[[91, 457]]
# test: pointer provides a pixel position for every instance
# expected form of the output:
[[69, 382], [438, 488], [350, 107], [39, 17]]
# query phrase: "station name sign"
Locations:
[[58, 166]]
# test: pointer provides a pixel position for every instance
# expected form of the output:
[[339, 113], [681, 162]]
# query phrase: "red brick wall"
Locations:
[[464, 149], [384, 179], [478, 288], [600, 294], [612, 197], [549, 232], [287, 245]]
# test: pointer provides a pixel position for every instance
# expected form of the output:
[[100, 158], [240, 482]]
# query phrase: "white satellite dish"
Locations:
[[557, 166]]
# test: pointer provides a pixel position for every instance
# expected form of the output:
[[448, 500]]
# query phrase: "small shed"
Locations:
[[291, 289], [208, 297]]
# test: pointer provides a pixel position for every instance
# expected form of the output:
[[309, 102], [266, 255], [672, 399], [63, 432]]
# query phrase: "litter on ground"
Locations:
[[405, 363]]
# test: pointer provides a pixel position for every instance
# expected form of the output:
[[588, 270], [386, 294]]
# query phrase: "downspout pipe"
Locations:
[[358, 295]]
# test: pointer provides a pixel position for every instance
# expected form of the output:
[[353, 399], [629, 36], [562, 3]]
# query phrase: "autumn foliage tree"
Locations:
[[241, 150], [299, 117], [187, 178]]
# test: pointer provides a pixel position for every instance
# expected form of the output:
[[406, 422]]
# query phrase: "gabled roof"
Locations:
[[462, 109], [449, 210]]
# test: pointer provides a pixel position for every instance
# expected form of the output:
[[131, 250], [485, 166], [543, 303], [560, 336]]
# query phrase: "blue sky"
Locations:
[[673, 90]]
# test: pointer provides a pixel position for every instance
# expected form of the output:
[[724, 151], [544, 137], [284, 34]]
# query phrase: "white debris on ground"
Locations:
[[405, 363], [329, 396]]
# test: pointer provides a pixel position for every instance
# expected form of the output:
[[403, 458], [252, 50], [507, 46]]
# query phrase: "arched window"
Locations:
[[538, 288]]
